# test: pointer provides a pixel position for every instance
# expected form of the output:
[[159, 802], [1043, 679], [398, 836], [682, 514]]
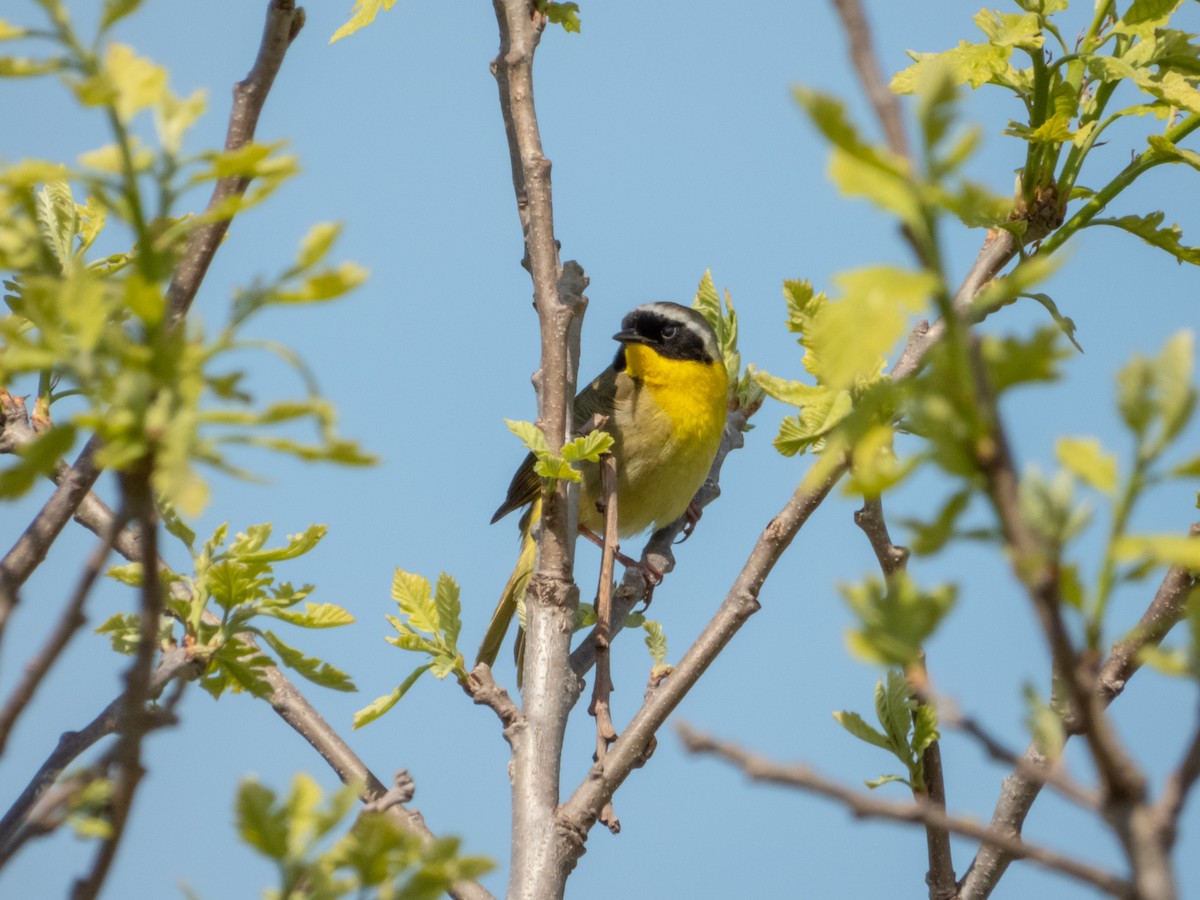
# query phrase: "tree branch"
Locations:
[[284, 22], [602, 685], [864, 806], [1019, 791], [866, 64], [32, 546], [893, 561], [71, 620], [577, 815], [550, 689], [135, 719]]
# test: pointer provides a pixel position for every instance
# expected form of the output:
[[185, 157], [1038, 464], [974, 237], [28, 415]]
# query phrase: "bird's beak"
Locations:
[[625, 336]]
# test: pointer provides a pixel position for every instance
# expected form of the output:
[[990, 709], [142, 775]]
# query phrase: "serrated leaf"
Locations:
[[259, 823], [1087, 459], [656, 641], [374, 710], [857, 726], [315, 670], [415, 596], [588, 448], [564, 14], [124, 631], [1149, 229], [925, 728], [449, 610], [130, 574], [894, 703]]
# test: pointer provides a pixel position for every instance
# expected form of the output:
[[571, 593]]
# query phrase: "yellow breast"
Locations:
[[667, 421]]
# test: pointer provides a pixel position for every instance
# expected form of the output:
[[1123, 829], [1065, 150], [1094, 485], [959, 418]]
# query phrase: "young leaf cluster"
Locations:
[[551, 466], [744, 392], [239, 581], [374, 858], [430, 621], [907, 728], [97, 328], [895, 618]]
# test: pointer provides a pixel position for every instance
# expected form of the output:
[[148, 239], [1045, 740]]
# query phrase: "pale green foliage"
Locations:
[[361, 16], [430, 621], [744, 393], [894, 618], [240, 581], [1088, 461], [564, 14], [907, 729], [374, 858], [100, 329], [551, 466]]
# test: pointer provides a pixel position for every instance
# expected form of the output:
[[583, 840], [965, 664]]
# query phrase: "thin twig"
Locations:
[[893, 561], [865, 806], [602, 685], [32, 546], [1019, 790], [283, 23], [175, 663], [1178, 785], [71, 620], [866, 64], [577, 815], [135, 720]]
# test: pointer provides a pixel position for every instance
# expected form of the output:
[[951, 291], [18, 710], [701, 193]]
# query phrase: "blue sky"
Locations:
[[676, 148]]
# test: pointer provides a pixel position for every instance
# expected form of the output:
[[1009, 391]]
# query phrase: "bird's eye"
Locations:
[[669, 331]]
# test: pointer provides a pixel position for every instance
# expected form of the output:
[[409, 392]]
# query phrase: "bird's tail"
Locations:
[[489, 647]]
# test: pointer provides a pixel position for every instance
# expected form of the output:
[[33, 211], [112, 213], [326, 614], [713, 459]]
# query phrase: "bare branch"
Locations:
[[892, 559], [1175, 792], [862, 55], [71, 620], [284, 22], [134, 717], [602, 685], [32, 546], [482, 688], [174, 664], [864, 806]]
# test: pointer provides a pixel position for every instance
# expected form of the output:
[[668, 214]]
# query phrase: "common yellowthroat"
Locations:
[[665, 397]]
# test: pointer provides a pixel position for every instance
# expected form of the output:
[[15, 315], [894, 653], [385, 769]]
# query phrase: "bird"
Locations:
[[664, 398]]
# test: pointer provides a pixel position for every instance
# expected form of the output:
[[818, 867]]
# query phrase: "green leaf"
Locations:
[[115, 10], [449, 610], [58, 221], [894, 704], [36, 459], [124, 630], [374, 710], [1163, 549], [259, 823], [925, 728], [361, 16], [1087, 459], [588, 448], [1149, 229], [973, 64], [315, 670], [886, 779], [1044, 724], [656, 641], [928, 538], [315, 245], [241, 667], [314, 615], [130, 574], [564, 14], [895, 619], [415, 596], [530, 435], [857, 726]]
